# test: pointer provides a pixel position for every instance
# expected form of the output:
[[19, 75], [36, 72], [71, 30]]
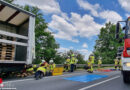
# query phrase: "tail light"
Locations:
[[1, 83]]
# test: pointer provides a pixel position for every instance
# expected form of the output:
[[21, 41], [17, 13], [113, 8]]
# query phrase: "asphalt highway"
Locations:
[[113, 81]]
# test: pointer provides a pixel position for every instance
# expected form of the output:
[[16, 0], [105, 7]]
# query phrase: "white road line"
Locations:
[[18, 80], [7, 88], [99, 83]]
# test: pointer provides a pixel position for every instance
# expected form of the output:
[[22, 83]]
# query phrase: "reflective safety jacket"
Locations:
[[73, 59], [42, 69], [67, 61], [116, 62], [99, 62], [92, 59], [89, 63], [30, 69], [52, 66]]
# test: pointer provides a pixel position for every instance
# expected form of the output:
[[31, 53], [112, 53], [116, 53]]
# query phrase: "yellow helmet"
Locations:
[[34, 66]]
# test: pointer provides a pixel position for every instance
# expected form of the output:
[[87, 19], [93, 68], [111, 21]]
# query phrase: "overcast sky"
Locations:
[[76, 23]]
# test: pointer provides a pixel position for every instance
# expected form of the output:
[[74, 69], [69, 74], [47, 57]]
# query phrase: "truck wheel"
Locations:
[[126, 78]]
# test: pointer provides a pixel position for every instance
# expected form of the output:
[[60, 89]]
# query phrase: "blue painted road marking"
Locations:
[[86, 78]]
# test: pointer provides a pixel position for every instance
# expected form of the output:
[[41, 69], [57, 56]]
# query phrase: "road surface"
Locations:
[[113, 81]]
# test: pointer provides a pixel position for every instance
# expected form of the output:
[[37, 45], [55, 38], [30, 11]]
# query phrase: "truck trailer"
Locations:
[[17, 37]]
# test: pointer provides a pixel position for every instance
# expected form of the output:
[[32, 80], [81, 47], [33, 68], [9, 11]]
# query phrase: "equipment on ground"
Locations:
[[57, 71], [125, 56]]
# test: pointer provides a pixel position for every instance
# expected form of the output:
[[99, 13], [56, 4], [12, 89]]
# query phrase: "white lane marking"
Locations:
[[17, 80], [7, 88], [44, 77], [99, 83]]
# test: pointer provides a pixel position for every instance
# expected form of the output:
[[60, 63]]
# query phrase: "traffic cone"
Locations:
[[1, 83]]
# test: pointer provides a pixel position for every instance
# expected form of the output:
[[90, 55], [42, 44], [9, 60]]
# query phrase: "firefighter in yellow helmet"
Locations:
[[35, 67], [52, 65], [72, 62], [89, 64], [116, 63], [67, 64], [41, 71], [91, 58], [99, 63]]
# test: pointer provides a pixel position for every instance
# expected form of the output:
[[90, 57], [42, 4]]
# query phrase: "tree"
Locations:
[[106, 44], [45, 42], [59, 58], [78, 56]]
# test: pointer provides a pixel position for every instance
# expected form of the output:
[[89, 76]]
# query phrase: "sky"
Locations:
[[76, 23]]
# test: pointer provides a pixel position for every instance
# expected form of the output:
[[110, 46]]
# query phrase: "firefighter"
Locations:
[[92, 61], [52, 65], [41, 71], [120, 66], [99, 63], [67, 64], [72, 62], [116, 63], [34, 67], [89, 64], [46, 66], [30, 70]]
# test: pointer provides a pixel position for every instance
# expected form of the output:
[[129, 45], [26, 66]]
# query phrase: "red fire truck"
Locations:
[[125, 57]]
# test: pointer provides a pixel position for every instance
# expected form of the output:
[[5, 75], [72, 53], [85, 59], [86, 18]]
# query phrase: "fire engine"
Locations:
[[125, 57]]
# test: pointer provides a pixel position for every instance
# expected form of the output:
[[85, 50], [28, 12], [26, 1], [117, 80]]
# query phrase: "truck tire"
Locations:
[[126, 78]]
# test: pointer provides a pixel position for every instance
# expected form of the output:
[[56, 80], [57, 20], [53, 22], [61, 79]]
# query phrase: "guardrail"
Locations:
[[82, 65]]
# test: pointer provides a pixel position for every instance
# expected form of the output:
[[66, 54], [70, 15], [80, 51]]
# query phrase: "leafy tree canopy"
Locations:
[[106, 44]]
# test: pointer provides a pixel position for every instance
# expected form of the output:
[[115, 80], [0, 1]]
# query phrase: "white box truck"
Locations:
[[17, 37]]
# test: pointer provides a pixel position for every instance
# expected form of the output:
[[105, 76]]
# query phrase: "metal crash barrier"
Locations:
[[82, 65]]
